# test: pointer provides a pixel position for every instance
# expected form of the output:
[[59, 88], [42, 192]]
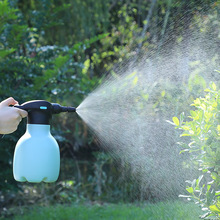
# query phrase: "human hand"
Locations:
[[10, 117]]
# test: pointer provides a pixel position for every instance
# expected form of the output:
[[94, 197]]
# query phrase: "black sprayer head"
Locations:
[[40, 111]]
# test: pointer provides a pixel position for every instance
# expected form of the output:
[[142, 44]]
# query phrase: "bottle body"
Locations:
[[36, 156]]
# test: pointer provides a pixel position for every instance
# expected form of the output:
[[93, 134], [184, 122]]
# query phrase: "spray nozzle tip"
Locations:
[[58, 108], [71, 109], [68, 109]]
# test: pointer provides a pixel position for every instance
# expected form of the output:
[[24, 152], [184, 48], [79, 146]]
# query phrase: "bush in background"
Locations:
[[203, 129]]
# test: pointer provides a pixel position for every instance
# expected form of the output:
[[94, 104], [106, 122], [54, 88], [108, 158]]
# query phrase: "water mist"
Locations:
[[128, 114]]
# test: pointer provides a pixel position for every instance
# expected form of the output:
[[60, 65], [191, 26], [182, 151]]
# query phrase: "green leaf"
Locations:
[[163, 93], [208, 187], [86, 66], [217, 193], [135, 80], [196, 80], [131, 75], [176, 121], [214, 208], [182, 117], [145, 96], [189, 189], [184, 196], [199, 180], [213, 86], [185, 135], [4, 53], [60, 61]]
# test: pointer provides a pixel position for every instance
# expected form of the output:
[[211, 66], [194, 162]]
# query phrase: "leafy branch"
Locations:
[[203, 131]]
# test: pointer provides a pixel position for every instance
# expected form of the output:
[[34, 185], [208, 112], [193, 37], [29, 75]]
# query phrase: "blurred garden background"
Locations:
[[60, 51]]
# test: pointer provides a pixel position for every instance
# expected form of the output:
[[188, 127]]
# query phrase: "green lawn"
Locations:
[[158, 211]]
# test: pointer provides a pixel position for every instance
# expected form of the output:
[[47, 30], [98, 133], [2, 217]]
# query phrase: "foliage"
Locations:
[[204, 131], [30, 71], [60, 51]]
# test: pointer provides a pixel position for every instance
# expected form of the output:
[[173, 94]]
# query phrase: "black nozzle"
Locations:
[[57, 108], [40, 111]]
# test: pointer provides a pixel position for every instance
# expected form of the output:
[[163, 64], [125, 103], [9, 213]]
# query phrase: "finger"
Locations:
[[22, 113], [9, 101], [10, 129]]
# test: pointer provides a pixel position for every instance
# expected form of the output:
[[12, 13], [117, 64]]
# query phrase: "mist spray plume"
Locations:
[[128, 113]]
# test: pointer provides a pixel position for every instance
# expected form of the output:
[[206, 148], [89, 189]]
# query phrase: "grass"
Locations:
[[158, 211]]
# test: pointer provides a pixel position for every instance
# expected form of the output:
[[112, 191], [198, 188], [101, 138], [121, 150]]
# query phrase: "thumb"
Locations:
[[22, 113], [9, 101]]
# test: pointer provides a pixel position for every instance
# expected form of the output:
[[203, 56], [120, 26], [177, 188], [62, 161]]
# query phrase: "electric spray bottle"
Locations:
[[37, 155]]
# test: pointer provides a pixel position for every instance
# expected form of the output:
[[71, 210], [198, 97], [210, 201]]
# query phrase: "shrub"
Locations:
[[203, 129]]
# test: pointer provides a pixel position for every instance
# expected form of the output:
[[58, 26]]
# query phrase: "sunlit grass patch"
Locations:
[[157, 211]]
